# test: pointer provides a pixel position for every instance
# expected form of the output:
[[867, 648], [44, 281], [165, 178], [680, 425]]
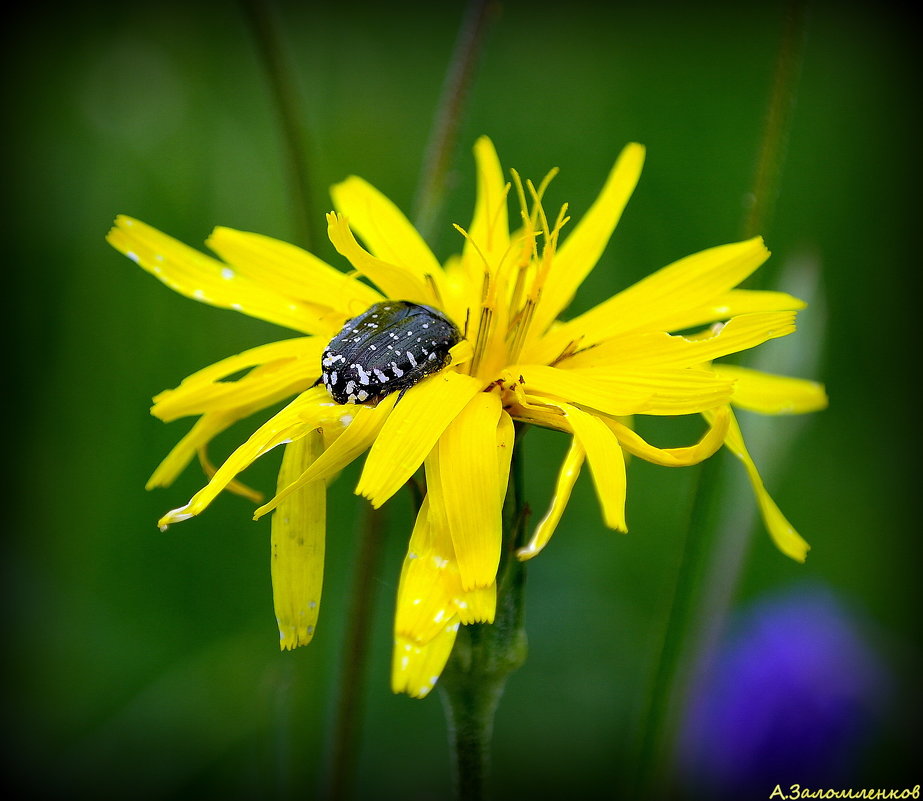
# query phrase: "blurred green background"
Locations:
[[145, 665]]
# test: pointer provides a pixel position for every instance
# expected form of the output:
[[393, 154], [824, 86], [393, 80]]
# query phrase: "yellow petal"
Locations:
[[208, 280], [675, 457], [309, 410], [429, 581], [387, 233], [395, 281], [730, 304], [506, 436], [622, 393], [489, 231], [205, 429], [687, 284], [360, 433], [463, 477], [782, 532], [656, 349], [607, 463], [768, 393], [293, 271], [582, 249], [297, 546], [262, 386], [235, 486], [415, 668], [411, 431], [567, 477]]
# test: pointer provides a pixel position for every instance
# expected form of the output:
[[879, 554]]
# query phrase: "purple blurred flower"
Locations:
[[791, 695]]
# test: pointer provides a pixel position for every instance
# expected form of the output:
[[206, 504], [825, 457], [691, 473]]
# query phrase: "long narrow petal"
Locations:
[[387, 233], [659, 350], [261, 354], [292, 271], [606, 460], [411, 431], [678, 391], [206, 428], [685, 285], [197, 276], [464, 476], [359, 435], [297, 546], [582, 249], [506, 436], [768, 393], [307, 411], [730, 304], [786, 538], [567, 477], [415, 668], [262, 386], [429, 580], [710, 442], [489, 228], [395, 281]]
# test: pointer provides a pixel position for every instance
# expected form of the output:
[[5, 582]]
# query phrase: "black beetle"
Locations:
[[389, 347]]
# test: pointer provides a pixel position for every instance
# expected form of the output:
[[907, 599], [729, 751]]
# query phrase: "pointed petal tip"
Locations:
[[177, 515]]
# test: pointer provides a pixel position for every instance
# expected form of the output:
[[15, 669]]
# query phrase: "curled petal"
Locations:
[[676, 457], [607, 463], [383, 227], [782, 532], [395, 281], [567, 477]]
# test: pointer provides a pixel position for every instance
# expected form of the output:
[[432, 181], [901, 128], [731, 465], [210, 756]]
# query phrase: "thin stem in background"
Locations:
[[711, 562], [344, 736], [294, 132], [779, 115], [443, 137]]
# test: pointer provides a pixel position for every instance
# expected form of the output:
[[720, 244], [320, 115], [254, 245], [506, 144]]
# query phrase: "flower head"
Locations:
[[517, 361]]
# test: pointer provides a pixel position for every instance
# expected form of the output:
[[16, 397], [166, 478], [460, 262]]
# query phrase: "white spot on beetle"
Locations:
[[413, 361]]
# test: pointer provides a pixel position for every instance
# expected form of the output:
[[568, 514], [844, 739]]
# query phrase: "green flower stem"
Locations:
[[348, 713], [444, 134], [294, 135], [486, 654]]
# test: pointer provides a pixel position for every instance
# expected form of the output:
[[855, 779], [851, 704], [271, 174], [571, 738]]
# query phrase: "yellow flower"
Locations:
[[518, 362]]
